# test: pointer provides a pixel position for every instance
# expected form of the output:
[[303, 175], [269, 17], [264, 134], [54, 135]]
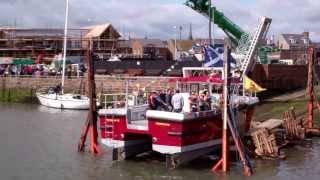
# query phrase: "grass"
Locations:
[[275, 110], [17, 96]]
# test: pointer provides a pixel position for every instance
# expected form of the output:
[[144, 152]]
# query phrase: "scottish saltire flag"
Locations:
[[213, 57]]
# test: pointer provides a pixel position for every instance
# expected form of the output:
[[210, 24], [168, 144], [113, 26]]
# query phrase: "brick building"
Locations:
[[185, 49], [317, 51], [124, 48], [150, 48], [294, 47], [179, 48]]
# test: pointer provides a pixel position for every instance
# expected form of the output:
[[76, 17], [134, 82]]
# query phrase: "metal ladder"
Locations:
[[110, 134], [247, 63]]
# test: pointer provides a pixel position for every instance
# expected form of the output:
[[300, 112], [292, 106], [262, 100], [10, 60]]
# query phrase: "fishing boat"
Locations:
[[181, 137], [58, 99]]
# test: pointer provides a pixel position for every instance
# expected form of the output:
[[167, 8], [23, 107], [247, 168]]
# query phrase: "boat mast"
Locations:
[[65, 46]]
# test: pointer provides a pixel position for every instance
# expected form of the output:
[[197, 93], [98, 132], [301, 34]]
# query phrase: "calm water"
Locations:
[[37, 143]]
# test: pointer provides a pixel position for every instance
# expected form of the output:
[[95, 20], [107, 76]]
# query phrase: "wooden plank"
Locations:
[[269, 124]]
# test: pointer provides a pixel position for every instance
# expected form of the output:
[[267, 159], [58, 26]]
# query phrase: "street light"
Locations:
[[175, 43]]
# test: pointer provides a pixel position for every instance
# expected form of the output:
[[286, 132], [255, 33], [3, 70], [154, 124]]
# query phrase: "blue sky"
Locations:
[[248, 2]]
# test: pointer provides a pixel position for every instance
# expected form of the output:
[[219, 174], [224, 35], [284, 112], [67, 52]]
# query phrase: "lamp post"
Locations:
[[175, 42], [211, 18]]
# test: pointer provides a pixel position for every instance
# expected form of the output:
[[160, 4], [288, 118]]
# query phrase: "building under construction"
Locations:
[[43, 43]]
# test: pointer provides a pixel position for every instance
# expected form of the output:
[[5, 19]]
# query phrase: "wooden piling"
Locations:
[[92, 118], [310, 88], [223, 164]]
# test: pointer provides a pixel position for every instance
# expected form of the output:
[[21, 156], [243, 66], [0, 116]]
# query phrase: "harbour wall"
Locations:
[[105, 84], [276, 78], [279, 77]]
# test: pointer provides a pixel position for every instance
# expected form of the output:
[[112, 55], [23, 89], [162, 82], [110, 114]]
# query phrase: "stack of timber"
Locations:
[[265, 143], [268, 137], [294, 127]]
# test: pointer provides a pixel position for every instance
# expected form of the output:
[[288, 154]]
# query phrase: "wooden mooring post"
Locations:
[[310, 88], [313, 99], [224, 164], [92, 118]]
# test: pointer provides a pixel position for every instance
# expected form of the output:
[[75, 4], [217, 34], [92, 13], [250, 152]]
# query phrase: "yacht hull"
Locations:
[[65, 101]]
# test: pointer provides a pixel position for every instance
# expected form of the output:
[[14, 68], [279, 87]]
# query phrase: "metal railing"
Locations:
[[116, 100]]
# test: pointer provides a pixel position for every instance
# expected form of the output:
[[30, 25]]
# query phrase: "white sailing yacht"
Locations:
[[57, 99]]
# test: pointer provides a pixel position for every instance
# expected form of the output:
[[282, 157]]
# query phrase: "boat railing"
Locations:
[[113, 100]]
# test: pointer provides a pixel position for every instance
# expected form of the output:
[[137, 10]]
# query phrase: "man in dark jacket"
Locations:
[[168, 99]]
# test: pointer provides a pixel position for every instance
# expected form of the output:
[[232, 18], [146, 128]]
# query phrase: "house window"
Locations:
[[305, 41], [293, 41]]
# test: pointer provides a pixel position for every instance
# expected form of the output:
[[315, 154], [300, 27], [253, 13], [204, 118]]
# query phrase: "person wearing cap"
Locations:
[[177, 102]]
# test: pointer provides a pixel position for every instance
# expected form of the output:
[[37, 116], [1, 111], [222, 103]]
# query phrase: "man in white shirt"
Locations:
[[177, 102]]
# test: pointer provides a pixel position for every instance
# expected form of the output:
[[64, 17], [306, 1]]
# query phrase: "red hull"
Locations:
[[169, 133]]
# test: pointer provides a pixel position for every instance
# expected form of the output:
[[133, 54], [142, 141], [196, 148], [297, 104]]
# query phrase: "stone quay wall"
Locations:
[[104, 84]]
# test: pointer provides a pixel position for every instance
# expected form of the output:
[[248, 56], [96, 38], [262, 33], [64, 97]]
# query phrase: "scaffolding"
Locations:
[[30, 43]]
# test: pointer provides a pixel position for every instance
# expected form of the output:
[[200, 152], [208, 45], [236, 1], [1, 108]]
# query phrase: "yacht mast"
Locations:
[[65, 46]]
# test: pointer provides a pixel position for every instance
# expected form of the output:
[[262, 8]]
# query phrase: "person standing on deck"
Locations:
[[194, 102], [207, 100], [152, 101], [162, 95], [177, 102], [58, 89], [168, 99], [161, 98], [201, 101], [156, 103]]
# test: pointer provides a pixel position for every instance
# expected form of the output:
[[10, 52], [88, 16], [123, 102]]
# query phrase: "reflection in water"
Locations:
[[40, 143]]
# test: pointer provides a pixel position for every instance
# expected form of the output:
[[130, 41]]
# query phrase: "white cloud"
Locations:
[[156, 19]]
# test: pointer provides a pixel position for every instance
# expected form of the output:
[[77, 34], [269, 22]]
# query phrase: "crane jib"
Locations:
[[230, 28]]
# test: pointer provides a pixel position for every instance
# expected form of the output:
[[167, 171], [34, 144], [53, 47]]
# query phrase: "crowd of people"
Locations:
[[160, 100], [173, 101], [38, 70], [17, 70]]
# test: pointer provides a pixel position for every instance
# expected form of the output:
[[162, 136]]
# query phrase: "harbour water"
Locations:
[[39, 143]]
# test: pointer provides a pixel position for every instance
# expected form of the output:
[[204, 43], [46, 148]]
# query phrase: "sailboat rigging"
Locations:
[[57, 98]]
